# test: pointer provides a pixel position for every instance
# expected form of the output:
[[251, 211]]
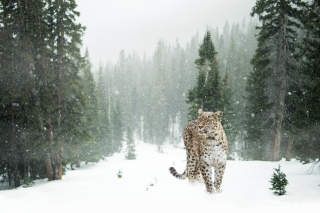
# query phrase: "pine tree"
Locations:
[[211, 92], [104, 113], [18, 91], [66, 42], [275, 63], [257, 110], [207, 92], [33, 39], [90, 149], [279, 182], [305, 97], [237, 68]]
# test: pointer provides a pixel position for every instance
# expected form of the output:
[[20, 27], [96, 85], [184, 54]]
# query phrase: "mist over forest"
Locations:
[[152, 91], [56, 109]]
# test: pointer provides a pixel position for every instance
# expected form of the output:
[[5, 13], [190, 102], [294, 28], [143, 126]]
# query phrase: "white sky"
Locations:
[[137, 25]]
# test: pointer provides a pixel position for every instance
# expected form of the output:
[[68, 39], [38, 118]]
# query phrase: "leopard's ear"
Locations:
[[219, 114], [200, 112]]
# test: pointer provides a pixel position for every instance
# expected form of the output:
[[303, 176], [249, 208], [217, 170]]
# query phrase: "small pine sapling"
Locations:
[[278, 182]]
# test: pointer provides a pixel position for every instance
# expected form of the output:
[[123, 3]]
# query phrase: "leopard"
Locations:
[[206, 146]]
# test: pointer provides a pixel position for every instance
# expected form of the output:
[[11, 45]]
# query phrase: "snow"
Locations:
[[147, 186]]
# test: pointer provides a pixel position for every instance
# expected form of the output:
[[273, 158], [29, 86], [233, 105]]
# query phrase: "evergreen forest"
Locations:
[[57, 111]]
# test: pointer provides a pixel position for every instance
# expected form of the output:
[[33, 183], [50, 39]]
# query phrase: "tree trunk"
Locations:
[[61, 88], [49, 167], [52, 156], [275, 151], [289, 148], [78, 162], [47, 160], [14, 153], [8, 166], [16, 176], [60, 160], [279, 89]]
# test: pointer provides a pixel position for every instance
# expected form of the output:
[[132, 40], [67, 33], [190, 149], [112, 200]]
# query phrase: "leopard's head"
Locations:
[[209, 121]]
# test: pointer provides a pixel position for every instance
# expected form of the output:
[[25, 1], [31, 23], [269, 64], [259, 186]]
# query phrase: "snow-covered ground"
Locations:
[[147, 186]]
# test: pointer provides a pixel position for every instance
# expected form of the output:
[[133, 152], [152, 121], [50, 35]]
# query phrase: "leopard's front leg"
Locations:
[[193, 170], [220, 166], [207, 174]]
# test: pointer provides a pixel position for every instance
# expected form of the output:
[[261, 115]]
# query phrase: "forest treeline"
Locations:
[[153, 91], [49, 109], [262, 73]]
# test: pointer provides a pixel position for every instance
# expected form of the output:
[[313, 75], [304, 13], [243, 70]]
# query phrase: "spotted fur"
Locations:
[[206, 147]]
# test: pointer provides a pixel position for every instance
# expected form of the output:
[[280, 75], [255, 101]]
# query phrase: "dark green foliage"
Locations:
[[110, 117], [278, 182], [23, 58], [208, 92], [207, 53], [306, 98], [211, 92], [48, 102], [89, 148], [256, 111], [274, 73]]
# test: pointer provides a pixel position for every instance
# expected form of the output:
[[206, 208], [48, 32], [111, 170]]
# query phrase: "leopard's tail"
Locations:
[[174, 172]]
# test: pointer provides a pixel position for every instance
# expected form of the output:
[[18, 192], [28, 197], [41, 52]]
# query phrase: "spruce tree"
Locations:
[[66, 35], [40, 92], [275, 63], [256, 110], [104, 113], [18, 79], [207, 92], [90, 149], [279, 182], [211, 93], [305, 97]]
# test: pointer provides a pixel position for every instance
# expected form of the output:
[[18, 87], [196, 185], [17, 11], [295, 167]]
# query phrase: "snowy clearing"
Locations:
[[147, 186]]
